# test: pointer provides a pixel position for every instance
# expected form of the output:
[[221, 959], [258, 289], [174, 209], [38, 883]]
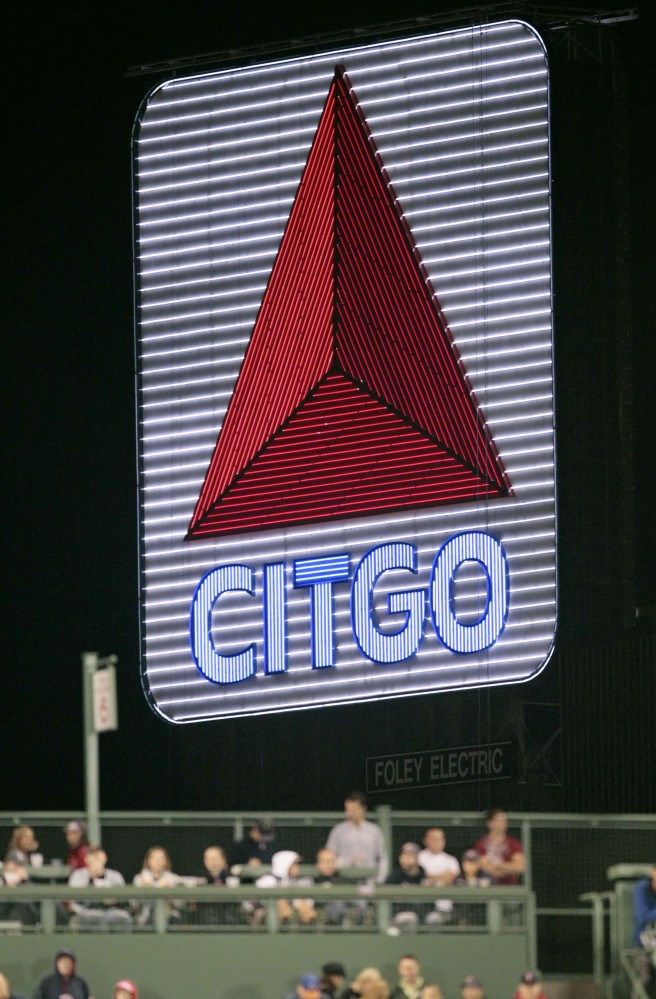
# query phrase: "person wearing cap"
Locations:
[[257, 847], [407, 872], [125, 989], [333, 980], [308, 987], [472, 876], [65, 981], [472, 988], [77, 843], [5, 989], [529, 986]]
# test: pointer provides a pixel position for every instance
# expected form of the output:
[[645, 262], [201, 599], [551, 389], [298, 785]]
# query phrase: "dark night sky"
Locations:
[[71, 526]]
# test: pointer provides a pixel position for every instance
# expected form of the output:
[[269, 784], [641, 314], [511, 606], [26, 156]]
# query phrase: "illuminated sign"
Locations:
[[345, 376]]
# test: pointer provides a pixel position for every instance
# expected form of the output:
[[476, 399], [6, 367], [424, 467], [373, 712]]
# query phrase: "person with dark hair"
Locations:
[[5, 989], [96, 874], [472, 988], [407, 872], [529, 987], [77, 843], [356, 841], [257, 847], [65, 981], [327, 875], [410, 981], [502, 856], [333, 980]]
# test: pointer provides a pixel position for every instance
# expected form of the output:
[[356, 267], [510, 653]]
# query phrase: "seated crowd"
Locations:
[[331, 983], [261, 861]]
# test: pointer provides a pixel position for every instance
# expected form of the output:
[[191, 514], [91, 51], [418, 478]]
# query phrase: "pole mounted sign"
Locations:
[[345, 376]]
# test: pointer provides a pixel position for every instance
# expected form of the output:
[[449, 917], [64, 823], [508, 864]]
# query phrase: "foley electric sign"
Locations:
[[345, 376]]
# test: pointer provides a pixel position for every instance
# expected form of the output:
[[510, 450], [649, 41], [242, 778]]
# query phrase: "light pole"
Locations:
[[99, 716]]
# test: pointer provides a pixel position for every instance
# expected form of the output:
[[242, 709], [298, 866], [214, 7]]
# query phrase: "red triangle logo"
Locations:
[[351, 398]]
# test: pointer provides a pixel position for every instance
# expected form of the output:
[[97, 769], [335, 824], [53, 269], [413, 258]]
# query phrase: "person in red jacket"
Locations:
[[529, 987], [502, 856], [77, 843]]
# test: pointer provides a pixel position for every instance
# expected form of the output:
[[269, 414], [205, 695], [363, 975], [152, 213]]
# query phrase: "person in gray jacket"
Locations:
[[96, 873]]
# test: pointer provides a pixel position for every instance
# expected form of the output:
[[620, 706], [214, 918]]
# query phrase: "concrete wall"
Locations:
[[258, 965]]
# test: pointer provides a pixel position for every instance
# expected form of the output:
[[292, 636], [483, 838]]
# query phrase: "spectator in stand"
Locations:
[[376, 989], [407, 872], [216, 873], [14, 875], [644, 932], [529, 987], [215, 866], [309, 987], [258, 847], [471, 876], [96, 873], [431, 991], [410, 981], [367, 981], [5, 989], [23, 839], [327, 875], [77, 843], [284, 874], [472, 988], [333, 980], [125, 989], [156, 873], [502, 856], [441, 869], [356, 841], [471, 913], [65, 981]]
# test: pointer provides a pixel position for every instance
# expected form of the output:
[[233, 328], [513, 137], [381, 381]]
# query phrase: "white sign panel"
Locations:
[[346, 435], [105, 708]]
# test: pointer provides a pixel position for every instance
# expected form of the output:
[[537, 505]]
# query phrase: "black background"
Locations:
[[70, 563]]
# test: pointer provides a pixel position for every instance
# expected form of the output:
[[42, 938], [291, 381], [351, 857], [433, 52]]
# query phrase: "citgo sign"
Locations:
[[345, 376]]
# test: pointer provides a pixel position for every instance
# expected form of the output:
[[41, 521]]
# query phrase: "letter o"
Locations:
[[471, 546]]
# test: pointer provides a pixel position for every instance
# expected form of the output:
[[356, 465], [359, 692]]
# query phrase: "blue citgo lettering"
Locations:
[[275, 617], [482, 548], [320, 574], [377, 645], [211, 663]]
